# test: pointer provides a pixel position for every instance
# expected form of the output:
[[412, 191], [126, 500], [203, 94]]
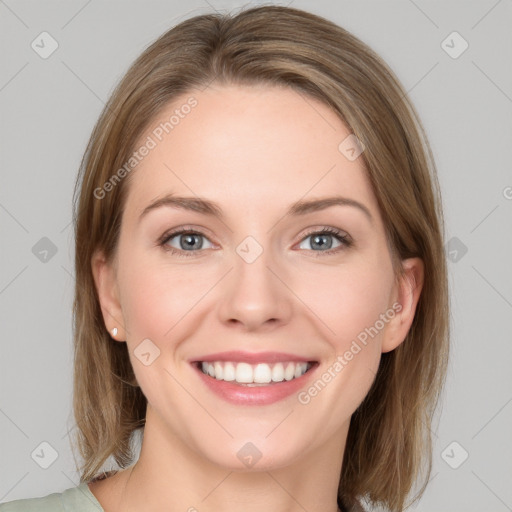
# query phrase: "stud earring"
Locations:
[[114, 331]]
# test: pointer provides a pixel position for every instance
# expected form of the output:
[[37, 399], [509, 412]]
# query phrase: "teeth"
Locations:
[[243, 373], [278, 372], [261, 373], [229, 371], [289, 373], [219, 370]]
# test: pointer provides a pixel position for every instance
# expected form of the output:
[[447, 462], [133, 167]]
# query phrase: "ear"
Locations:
[[106, 285], [406, 295]]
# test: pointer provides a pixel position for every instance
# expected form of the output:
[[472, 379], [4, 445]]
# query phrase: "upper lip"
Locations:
[[252, 357]]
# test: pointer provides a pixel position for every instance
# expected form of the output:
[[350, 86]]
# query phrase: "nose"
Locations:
[[254, 296]]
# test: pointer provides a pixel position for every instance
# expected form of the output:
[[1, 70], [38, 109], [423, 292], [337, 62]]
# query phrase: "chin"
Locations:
[[243, 456]]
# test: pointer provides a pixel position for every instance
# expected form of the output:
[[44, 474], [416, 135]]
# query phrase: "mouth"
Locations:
[[254, 375], [246, 378]]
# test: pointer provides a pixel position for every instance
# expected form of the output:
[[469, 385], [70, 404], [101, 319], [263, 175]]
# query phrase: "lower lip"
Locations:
[[257, 395]]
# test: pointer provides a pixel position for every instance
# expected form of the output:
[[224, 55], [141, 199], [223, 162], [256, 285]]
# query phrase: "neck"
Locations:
[[169, 475]]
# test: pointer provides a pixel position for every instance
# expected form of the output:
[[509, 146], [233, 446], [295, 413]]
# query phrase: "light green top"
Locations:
[[75, 499]]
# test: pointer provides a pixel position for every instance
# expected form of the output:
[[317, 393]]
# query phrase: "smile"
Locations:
[[254, 374], [245, 378]]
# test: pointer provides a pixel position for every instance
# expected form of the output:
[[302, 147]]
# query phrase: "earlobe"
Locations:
[[408, 292], [107, 289]]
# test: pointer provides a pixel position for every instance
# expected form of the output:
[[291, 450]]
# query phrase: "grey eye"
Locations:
[[321, 241], [188, 241]]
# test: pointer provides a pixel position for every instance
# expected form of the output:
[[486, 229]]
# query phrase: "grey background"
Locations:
[[48, 108]]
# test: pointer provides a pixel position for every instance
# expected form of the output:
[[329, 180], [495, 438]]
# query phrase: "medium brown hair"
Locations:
[[389, 440]]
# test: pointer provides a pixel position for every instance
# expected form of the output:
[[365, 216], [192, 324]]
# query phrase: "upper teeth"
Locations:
[[260, 373]]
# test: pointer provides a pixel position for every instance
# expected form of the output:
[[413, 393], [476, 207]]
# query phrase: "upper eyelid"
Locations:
[[182, 230]]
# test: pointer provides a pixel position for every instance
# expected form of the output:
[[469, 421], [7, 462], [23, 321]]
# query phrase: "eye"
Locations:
[[185, 240], [188, 242], [326, 240]]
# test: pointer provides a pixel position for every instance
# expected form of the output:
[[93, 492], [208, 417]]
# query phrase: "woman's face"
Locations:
[[267, 278]]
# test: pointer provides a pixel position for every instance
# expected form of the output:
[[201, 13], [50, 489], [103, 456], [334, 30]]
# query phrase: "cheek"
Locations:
[[351, 304], [347, 300], [161, 303], [156, 295], [157, 302]]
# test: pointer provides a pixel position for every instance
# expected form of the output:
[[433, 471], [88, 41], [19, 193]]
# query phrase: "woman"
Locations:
[[260, 277]]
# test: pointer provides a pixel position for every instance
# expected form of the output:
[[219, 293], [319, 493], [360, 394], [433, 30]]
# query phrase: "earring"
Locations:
[[114, 331]]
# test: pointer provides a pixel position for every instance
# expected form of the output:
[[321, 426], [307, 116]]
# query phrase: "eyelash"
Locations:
[[344, 239]]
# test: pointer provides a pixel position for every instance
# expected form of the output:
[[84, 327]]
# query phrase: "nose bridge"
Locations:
[[254, 296]]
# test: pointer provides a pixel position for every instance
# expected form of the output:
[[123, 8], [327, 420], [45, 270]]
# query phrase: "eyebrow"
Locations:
[[207, 207]]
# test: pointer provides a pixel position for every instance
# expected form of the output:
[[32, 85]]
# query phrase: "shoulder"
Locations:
[[75, 499]]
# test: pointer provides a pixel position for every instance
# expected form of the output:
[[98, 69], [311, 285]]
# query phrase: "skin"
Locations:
[[254, 151]]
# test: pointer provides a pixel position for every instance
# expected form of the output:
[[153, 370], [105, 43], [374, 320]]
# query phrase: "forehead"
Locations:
[[249, 147]]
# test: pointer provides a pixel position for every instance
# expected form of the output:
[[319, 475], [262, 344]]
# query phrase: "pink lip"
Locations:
[[252, 358], [257, 395]]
